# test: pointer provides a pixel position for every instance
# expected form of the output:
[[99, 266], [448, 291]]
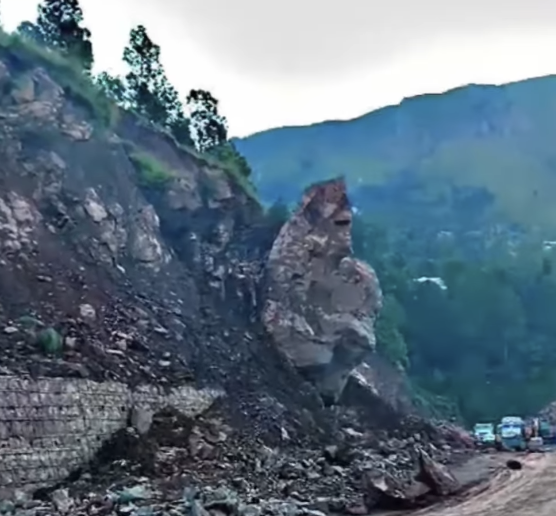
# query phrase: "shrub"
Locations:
[[151, 172], [50, 341], [235, 165]]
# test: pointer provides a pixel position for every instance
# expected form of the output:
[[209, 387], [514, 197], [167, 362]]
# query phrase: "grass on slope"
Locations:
[[151, 172], [230, 167], [26, 55]]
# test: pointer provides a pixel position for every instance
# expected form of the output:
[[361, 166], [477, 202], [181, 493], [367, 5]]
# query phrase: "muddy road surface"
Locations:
[[524, 492]]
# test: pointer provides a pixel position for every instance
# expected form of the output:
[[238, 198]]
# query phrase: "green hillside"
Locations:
[[472, 155]]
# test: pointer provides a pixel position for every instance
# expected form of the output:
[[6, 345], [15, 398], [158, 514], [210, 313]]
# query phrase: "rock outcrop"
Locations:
[[384, 490], [126, 259], [320, 302], [137, 273]]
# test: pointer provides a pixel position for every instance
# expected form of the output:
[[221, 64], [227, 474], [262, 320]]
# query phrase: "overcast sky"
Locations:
[[274, 63]]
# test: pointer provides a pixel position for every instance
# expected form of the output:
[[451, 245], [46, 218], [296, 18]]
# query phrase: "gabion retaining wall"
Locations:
[[50, 427]]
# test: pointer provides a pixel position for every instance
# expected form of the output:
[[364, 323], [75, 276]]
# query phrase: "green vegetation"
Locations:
[[211, 129], [390, 341], [459, 188], [146, 90], [59, 26], [478, 344], [227, 153], [67, 71], [235, 165], [469, 158], [231, 163], [50, 341], [59, 41], [46, 338], [232, 170], [278, 213], [151, 172]]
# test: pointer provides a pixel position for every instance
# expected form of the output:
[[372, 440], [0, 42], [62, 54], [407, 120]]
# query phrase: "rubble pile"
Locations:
[[110, 346], [108, 279], [169, 464]]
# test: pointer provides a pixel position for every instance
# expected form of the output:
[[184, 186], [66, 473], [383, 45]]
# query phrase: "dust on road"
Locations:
[[526, 492]]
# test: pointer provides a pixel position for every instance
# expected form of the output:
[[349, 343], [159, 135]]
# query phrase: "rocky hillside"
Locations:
[[460, 160], [141, 286], [143, 257]]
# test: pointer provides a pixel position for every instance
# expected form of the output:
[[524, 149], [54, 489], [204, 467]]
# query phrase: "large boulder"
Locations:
[[320, 303], [388, 491], [385, 491], [436, 476]]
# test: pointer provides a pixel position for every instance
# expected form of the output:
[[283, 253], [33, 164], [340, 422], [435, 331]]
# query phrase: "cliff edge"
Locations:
[[145, 295]]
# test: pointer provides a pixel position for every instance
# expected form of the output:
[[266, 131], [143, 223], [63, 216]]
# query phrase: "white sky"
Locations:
[[432, 62]]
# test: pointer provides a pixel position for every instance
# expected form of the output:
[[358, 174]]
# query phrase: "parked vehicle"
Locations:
[[547, 431], [515, 433], [484, 434], [512, 434]]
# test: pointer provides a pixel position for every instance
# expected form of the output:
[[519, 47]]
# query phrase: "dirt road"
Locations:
[[526, 492]]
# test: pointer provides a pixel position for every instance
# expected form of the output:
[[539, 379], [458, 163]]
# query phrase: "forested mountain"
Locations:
[[457, 187], [478, 334], [473, 331], [465, 159]]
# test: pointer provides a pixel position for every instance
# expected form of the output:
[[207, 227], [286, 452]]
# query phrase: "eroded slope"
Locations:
[[127, 259]]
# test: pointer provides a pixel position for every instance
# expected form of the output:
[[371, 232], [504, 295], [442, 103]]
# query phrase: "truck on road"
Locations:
[[511, 434], [484, 434]]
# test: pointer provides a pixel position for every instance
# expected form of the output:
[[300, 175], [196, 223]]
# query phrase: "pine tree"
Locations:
[[113, 87], [59, 25], [209, 131], [29, 30], [209, 128], [148, 90], [180, 128], [146, 80]]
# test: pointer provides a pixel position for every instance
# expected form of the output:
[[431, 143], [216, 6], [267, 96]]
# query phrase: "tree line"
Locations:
[[476, 336], [145, 89]]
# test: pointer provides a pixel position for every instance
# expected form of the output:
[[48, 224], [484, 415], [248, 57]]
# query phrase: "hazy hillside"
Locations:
[[456, 159]]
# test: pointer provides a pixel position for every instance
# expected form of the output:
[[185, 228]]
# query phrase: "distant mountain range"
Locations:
[[473, 156]]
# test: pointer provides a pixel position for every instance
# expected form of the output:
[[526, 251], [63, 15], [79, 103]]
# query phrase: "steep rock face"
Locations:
[[152, 279], [146, 282], [320, 302]]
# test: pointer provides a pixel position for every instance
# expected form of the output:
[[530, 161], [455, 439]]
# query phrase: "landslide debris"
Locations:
[[106, 276], [204, 466]]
